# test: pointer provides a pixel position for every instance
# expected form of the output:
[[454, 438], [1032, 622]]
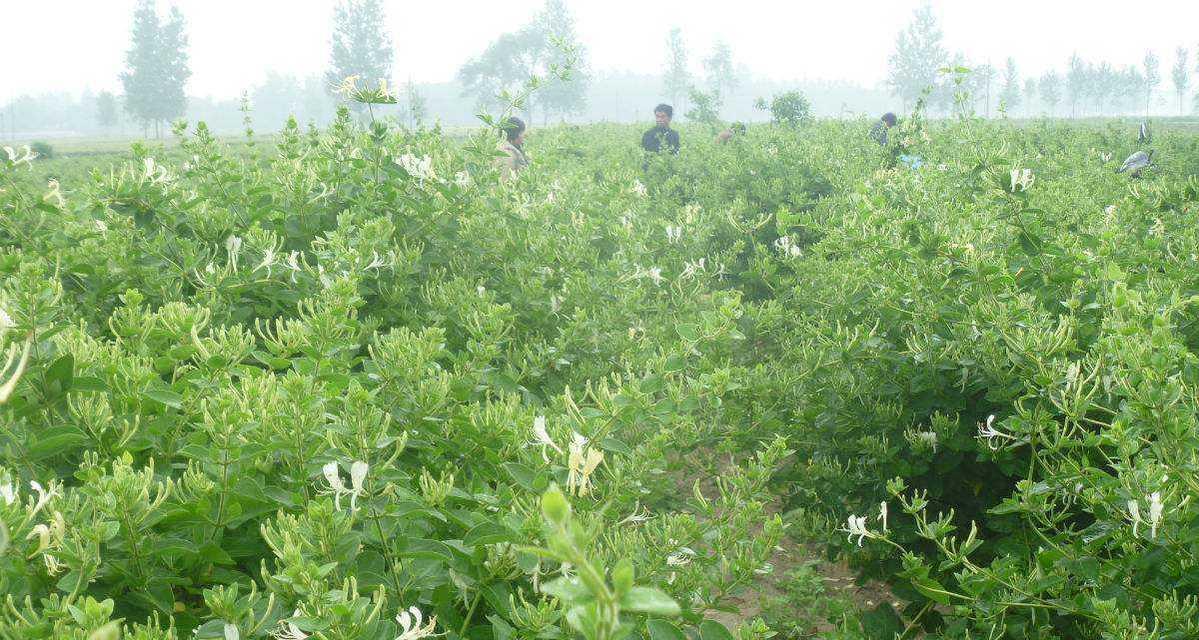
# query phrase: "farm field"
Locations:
[[348, 384]]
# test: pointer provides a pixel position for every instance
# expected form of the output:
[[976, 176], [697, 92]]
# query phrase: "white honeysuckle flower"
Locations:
[[655, 274], [786, 246], [233, 247], [336, 487], [1022, 179], [231, 632], [481, 290], [555, 303], [9, 492], [462, 179], [942, 167], [358, 472], [1107, 157], [269, 258], [54, 193], [989, 433], [410, 622], [26, 156], [288, 630], [927, 438], [1110, 210], [542, 438], [376, 263], [882, 514], [680, 558], [856, 526], [1155, 513], [419, 168], [42, 533], [1134, 514], [674, 233], [101, 226], [6, 324], [640, 514], [43, 496], [53, 566], [639, 188], [692, 268], [581, 463]]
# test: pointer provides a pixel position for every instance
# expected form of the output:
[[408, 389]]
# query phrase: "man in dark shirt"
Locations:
[[879, 131], [661, 137]]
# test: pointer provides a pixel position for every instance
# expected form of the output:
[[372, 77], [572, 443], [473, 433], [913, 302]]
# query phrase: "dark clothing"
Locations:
[[661, 139], [879, 133]]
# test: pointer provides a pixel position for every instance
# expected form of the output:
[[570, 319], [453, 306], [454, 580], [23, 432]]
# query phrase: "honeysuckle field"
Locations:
[[348, 384]]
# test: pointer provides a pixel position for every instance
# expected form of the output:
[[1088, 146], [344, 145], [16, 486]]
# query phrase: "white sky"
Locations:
[[52, 45]]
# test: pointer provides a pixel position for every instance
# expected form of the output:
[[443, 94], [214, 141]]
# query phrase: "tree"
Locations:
[[1030, 93], [562, 96], [106, 109], [1077, 77], [1181, 76], [677, 79], [157, 70], [360, 46], [506, 64], [721, 76], [1051, 91], [917, 58], [1010, 94], [415, 104], [984, 76], [1153, 77]]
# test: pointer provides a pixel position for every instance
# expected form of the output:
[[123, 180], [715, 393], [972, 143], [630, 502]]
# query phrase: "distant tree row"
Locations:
[[921, 67]]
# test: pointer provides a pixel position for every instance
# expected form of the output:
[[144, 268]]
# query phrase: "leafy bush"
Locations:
[[43, 149], [791, 108], [308, 389]]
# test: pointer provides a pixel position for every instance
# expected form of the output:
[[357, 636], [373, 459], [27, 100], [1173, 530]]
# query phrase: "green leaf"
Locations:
[[713, 630], [664, 630], [488, 533], [567, 590], [931, 589], [59, 376], [165, 397], [649, 600], [882, 623]]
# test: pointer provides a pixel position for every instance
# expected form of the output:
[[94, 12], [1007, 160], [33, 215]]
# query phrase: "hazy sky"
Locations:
[[71, 44]]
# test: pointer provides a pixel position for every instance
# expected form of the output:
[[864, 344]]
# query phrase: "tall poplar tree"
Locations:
[[361, 46], [156, 73]]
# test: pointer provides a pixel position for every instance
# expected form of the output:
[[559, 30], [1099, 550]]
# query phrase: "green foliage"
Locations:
[[790, 109], [352, 385], [43, 149], [705, 107]]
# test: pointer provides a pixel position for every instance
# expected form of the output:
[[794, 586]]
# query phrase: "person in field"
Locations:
[[879, 131], [735, 130], [661, 137], [512, 146]]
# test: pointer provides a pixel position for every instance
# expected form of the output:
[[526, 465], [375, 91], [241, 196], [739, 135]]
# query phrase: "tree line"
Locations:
[[921, 68]]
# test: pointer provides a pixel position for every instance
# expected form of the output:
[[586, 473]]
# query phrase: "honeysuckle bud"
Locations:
[[555, 507]]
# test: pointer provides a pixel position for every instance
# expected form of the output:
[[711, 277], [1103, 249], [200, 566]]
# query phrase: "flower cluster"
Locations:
[[332, 473]]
